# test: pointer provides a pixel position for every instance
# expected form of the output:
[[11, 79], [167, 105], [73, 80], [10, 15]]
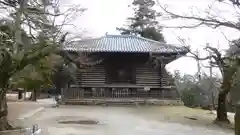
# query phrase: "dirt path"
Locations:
[[116, 121], [15, 109], [18, 111]]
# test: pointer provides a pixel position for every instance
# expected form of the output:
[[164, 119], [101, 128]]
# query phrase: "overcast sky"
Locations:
[[105, 15]]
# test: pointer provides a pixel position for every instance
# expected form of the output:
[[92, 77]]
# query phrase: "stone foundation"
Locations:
[[123, 102]]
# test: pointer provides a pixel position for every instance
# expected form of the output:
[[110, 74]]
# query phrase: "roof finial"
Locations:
[[106, 33]]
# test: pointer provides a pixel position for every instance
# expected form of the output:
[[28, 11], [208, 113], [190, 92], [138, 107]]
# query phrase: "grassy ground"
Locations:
[[201, 116], [189, 116]]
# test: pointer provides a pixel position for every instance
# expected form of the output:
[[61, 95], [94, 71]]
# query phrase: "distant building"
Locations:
[[131, 68]]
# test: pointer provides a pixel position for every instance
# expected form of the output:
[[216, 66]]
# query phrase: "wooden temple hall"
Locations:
[[127, 68]]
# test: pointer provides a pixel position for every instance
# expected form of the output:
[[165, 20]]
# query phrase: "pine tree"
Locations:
[[144, 22]]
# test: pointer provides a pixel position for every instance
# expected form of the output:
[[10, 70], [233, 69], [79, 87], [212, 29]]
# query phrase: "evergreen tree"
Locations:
[[144, 22]]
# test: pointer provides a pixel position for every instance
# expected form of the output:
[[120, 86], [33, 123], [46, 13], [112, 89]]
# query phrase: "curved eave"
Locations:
[[158, 52], [180, 53], [178, 56], [170, 57]]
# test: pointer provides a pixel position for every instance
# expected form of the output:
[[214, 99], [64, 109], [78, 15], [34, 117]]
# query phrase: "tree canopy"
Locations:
[[144, 21], [30, 44]]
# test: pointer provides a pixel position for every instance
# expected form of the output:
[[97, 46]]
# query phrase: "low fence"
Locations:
[[34, 130], [120, 96], [117, 93]]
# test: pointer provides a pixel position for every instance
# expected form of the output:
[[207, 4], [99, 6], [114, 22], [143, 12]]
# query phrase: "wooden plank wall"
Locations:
[[146, 76], [92, 76]]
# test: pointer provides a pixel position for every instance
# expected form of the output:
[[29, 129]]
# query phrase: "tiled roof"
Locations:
[[123, 43]]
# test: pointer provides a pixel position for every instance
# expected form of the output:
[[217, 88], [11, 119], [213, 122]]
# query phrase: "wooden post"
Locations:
[[163, 94], [62, 94], [24, 94], [160, 73], [237, 119]]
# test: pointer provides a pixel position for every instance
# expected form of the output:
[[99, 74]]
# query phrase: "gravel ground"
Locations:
[[121, 121], [133, 120]]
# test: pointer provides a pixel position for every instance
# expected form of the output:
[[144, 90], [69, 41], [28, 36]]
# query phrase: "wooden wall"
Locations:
[[92, 76], [145, 76]]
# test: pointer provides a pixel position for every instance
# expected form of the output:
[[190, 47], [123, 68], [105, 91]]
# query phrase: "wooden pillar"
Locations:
[[62, 93], [161, 77], [160, 74], [163, 95]]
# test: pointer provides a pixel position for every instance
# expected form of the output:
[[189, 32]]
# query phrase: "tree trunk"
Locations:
[[222, 96], [222, 109], [3, 112], [34, 95]]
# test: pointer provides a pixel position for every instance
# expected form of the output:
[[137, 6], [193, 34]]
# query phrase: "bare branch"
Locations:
[[11, 4], [234, 2], [219, 60], [187, 27], [209, 21], [194, 56]]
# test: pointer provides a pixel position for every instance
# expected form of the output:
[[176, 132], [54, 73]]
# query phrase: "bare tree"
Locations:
[[228, 65]]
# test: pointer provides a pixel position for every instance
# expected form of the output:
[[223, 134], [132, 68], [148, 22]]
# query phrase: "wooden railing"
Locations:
[[78, 93]]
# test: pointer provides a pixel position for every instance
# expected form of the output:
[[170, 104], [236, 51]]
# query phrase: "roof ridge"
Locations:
[[150, 40], [135, 36], [125, 35]]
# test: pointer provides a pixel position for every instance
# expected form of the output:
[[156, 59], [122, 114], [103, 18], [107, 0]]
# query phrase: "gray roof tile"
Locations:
[[123, 43]]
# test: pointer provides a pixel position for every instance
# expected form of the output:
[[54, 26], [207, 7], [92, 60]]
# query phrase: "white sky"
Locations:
[[105, 15]]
